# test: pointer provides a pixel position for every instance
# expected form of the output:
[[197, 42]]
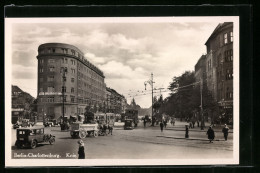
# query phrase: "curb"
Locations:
[[199, 139], [205, 130]]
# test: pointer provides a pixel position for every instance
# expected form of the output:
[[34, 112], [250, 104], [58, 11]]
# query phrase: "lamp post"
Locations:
[[201, 106], [64, 71], [151, 82]]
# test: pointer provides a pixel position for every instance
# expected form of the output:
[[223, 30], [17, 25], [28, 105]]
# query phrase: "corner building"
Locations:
[[63, 65]]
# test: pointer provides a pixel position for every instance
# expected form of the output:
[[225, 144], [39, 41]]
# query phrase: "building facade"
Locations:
[[218, 66], [66, 77], [116, 103]]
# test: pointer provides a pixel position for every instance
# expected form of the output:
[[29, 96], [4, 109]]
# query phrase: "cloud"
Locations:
[[25, 58], [117, 70], [92, 57], [127, 53], [21, 72]]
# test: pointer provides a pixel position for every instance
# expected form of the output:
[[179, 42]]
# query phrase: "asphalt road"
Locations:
[[140, 143]]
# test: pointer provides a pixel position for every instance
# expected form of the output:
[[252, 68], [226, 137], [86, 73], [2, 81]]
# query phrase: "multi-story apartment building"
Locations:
[[218, 66], [116, 103], [63, 67]]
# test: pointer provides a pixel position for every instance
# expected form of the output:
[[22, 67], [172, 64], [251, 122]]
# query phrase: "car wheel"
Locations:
[[52, 141], [95, 134], [33, 144], [82, 134], [18, 145]]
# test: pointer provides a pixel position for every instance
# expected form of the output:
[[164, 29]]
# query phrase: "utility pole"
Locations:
[[63, 97], [151, 83], [201, 106]]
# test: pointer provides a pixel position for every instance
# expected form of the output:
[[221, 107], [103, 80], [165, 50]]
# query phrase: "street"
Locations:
[[139, 143]]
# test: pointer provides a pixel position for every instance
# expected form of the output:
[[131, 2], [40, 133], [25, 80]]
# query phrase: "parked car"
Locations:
[[49, 124], [31, 136]]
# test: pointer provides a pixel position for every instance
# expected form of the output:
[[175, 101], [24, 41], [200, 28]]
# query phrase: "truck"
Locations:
[[87, 127]]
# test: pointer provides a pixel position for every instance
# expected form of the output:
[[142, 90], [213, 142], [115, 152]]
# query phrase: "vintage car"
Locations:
[[128, 124], [31, 136], [81, 130]]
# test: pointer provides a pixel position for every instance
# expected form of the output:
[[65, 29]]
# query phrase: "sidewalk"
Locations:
[[199, 139]]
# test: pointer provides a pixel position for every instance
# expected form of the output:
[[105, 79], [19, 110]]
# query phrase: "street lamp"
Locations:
[[201, 106], [150, 82], [64, 71]]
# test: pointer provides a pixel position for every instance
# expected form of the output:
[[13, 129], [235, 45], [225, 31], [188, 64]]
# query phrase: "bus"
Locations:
[[131, 114]]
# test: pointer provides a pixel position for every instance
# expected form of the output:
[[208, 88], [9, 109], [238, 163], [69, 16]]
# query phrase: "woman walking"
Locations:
[[81, 151]]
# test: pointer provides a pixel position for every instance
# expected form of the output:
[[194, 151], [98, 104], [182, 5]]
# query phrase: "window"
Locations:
[[41, 79], [73, 62], [53, 50], [41, 61], [72, 90], [64, 79], [65, 51], [49, 50], [73, 71], [73, 52], [50, 89], [64, 89], [51, 61], [50, 78], [72, 99], [228, 55], [72, 80], [229, 95], [52, 69], [231, 36], [64, 60], [50, 99], [229, 74], [225, 38], [41, 70]]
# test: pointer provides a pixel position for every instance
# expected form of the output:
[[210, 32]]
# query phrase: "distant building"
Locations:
[[116, 103], [200, 70], [83, 82], [218, 66]]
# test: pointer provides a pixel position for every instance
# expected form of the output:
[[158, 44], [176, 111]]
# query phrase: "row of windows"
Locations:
[[230, 40], [228, 55], [229, 94], [72, 100], [71, 52], [60, 50], [228, 75]]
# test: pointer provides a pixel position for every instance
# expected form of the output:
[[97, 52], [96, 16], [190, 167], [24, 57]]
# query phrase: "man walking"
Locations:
[[225, 131], [161, 125], [211, 134]]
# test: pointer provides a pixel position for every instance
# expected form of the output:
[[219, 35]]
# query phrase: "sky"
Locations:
[[127, 52]]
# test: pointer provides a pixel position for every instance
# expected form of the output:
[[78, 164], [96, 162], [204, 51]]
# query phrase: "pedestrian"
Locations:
[[225, 131], [190, 125], [110, 129], [144, 123], [81, 151], [193, 123], [198, 123], [211, 134], [173, 123], [161, 125], [165, 123]]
